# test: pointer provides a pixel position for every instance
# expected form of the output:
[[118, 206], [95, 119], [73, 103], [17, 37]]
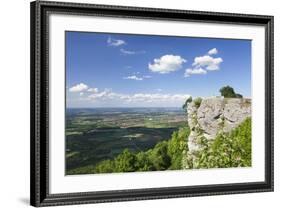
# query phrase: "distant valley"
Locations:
[[97, 134]]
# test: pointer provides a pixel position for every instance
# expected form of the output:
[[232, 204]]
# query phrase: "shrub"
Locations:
[[197, 102], [228, 149], [177, 145]]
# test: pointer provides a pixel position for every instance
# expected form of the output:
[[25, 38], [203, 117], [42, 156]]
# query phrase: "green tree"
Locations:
[[239, 96], [177, 146], [227, 92], [106, 166], [159, 156], [188, 100], [143, 162], [125, 162]]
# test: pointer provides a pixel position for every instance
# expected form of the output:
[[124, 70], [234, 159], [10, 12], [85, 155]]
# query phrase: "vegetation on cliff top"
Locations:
[[228, 92]]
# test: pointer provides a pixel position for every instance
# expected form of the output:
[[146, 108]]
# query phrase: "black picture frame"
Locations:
[[39, 188]]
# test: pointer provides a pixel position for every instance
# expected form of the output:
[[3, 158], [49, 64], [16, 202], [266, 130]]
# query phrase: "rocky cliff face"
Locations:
[[212, 116]]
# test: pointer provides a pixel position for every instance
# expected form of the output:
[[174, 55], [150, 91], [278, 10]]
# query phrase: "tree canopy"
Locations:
[[228, 92], [188, 100]]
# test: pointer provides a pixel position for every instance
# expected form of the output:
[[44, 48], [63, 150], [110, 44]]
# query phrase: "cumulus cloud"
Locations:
[[133, 77], [127, 52], [78, 88], [166, 64], [213, 51], [189, 72], [106, 94], [150, 97], [207, 61], [93, 90], [115, 42], [139, 99]]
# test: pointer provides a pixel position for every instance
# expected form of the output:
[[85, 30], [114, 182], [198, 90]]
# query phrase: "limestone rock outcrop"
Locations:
[[214, 115]]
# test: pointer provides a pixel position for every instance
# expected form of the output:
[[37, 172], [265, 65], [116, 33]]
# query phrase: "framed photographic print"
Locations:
[[132, 103]]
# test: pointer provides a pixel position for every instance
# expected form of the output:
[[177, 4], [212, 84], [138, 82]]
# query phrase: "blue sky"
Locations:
[[124, 70]]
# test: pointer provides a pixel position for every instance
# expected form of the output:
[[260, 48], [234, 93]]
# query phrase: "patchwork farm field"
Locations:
[[98, 134]]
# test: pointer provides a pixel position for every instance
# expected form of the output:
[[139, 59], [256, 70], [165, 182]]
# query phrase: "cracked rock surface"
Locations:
[[214, 115]]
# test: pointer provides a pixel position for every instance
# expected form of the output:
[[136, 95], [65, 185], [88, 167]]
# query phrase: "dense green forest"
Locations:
[[165, 155], [231, 149]]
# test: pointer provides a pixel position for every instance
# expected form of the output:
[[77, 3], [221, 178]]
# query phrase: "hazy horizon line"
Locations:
[[129, 107]]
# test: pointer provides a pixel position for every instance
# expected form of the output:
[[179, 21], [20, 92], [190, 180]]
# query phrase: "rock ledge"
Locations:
[[215, 115]]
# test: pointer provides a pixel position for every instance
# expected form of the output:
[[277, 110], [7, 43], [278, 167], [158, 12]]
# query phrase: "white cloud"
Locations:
[[213, 51], [115, 42], [127, 52], [93, 90], [203, 64], [134, 77], [81, 93], [138, 78], [98, 95], [166, 64], [139, 99], [157, 97], [207, 61], [189, 72], [78, 88]]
